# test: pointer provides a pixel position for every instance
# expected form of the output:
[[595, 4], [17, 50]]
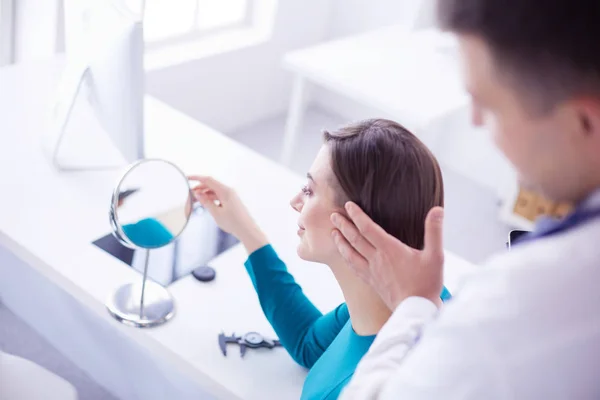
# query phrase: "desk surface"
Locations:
[[413, 76], [49, 220]]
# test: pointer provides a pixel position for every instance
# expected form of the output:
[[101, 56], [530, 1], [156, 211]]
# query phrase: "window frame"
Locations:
[[197, 33], [7, 32]]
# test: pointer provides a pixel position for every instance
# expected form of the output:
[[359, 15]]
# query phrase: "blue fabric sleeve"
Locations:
[[445, 296], [302, 329], [149, 233]]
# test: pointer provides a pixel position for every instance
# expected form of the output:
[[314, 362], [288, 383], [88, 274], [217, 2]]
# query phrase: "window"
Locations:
[[6, 32], [173, 22], [178, 31]]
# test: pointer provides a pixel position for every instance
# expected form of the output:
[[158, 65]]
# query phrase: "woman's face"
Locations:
[[315, 203]]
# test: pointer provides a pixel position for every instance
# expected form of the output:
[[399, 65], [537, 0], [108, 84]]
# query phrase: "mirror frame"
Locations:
[[160, 301], [116, 226]]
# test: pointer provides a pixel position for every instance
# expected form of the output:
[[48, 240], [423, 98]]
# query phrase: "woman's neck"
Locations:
[[367, 311]]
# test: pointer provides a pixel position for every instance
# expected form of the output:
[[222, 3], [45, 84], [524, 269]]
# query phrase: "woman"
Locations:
[[395, 179]]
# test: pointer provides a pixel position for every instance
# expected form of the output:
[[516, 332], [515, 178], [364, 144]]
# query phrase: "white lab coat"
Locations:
[[526, 327]]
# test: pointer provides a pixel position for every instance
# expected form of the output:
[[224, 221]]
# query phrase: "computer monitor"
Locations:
[[99, 103]]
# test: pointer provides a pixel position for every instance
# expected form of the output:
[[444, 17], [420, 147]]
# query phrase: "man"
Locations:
[[528, 325]]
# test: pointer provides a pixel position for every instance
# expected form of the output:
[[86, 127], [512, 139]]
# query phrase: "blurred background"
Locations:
[[257, 70]]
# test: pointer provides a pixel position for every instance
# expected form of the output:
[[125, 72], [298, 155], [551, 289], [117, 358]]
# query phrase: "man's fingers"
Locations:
[[434, 246], [357, 262], [352, 235], [372, 232]]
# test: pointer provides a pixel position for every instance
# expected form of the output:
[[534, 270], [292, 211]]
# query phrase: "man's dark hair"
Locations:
[[549, 48], [389, 173]]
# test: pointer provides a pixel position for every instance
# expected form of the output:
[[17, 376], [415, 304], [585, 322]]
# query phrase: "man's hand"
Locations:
[[395, 270]]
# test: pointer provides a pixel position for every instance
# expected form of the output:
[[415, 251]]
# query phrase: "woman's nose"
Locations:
[[296, 202]]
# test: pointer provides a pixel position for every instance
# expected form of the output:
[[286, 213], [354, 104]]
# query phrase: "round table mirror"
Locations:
[[150, 208]]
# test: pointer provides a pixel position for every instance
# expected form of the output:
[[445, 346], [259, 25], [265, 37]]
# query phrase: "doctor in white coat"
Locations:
[[528, 325]]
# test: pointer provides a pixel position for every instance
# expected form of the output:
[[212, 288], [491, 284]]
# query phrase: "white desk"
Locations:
[[54, 278], [412, 76]]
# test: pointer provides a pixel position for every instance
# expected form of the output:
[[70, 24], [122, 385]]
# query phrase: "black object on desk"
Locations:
[[204, 273], [513, 237], [112, 246]]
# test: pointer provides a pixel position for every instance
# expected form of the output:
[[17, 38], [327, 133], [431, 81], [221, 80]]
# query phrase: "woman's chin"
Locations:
[[303, 252]]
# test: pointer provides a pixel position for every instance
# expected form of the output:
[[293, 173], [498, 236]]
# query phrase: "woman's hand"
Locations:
[[228, 211]]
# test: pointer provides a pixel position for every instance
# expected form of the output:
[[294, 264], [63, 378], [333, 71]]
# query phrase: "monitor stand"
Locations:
[[75, 139]]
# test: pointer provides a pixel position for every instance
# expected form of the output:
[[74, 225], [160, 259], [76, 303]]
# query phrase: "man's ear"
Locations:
[[588, 110], [586, 124]]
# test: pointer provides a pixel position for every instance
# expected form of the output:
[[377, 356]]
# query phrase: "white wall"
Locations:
[[472, 153], [356, 16], [36, 30], [352, 17], [238, 88]]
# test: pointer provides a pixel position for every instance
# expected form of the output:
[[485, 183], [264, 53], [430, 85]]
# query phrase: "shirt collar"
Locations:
[[592, 201]]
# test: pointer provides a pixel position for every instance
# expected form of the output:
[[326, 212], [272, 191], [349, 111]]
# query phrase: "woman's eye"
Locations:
[[306, 190]]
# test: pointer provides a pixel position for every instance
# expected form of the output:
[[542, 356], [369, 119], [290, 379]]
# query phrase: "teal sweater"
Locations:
[[148, 233], [325, 344]]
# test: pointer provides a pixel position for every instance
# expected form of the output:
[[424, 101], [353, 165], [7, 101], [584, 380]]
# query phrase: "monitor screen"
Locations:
[[200, 242]]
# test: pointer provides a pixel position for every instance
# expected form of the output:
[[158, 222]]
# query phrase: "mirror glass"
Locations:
[[151, 204]]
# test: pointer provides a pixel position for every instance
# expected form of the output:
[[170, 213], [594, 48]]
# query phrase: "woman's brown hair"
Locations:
[[387, 171]]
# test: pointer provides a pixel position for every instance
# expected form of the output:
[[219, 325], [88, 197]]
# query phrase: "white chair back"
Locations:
[[21, 379]]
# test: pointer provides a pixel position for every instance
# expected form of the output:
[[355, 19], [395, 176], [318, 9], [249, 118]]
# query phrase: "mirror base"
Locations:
[[124, 305]]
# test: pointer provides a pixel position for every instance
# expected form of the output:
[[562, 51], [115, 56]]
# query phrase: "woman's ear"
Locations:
[[341, 209]]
